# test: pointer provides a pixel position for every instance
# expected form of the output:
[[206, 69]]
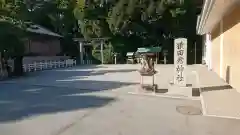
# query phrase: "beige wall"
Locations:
[[231, 48], [216, 49]]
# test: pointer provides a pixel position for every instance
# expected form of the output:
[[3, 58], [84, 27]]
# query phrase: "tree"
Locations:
[[150, 20], [11, 26], [130, 23], [92, 17], [146, 20]]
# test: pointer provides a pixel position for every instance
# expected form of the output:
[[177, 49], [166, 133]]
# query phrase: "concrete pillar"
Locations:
[[115, 58], [81, 52], [102, 57], [221, 48], [208, 51]]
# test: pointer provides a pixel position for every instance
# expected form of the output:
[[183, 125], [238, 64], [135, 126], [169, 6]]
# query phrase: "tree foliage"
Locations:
[[136, 23], [91, 17], [56, 15], [150, 21], [129, 23], [11, 25]]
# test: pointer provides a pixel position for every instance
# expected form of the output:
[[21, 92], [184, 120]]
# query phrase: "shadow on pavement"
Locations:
[[54, 91], [75, 78], [75, 73], [102, 72], [90, 72], [90, 85], [216, 88], [21, 102], [39, 73]]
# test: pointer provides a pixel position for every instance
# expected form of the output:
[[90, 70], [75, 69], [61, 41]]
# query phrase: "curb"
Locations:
[[164, 96], [221, 116]]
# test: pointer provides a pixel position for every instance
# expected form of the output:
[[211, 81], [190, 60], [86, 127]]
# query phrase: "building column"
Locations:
[[221, 48], [102, 57], [208, 51]]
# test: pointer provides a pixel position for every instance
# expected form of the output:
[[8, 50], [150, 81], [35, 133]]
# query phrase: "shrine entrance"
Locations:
[[85, 49]]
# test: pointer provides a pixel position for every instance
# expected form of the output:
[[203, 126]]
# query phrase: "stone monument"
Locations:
[[180, 61], [179, 84]]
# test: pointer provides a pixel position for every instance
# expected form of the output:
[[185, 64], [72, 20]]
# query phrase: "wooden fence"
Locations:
[[38, 66]]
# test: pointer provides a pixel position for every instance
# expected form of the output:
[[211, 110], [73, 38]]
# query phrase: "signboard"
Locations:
[[180, 61]]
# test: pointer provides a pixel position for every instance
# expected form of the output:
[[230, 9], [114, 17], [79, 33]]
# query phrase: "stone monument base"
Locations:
[[188, 90], [152, 88]]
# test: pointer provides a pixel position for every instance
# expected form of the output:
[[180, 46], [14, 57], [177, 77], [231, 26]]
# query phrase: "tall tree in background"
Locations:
[[129, 23], [92, 15], [135, 23], [147, 21], [11, 25], [16, 14]]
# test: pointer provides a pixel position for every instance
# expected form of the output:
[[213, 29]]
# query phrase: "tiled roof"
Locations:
[[34, 28]]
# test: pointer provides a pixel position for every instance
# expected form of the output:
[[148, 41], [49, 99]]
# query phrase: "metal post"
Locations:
[[35, 66], [165, 59], [156, 58], [195, 54], [102, 52], [1, 64], [81, 52]]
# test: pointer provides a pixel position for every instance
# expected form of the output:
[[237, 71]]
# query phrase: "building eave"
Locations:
[[41, 30], [204, 15], [212, 12], [91, 39]]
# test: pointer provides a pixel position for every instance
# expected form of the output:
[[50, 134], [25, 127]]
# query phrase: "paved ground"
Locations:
[[95, 100], [112, 77], [219, 98]]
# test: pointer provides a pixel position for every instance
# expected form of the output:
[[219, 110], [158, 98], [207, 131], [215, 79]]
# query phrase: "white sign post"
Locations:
[[180, 61]]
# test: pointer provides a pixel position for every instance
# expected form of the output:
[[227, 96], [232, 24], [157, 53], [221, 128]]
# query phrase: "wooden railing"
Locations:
[[38, 66]]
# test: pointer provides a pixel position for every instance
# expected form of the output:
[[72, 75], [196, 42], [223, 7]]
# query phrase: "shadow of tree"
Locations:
[[90, 72], [74, 78], [216, 88], [78, 72], [211, 88], [55, 91], [21, 102], [102, 72]]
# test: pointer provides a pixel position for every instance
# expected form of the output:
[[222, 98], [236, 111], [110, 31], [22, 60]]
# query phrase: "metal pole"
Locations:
[[156, 58], [165, 59], [102, 52], [195, 53]]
